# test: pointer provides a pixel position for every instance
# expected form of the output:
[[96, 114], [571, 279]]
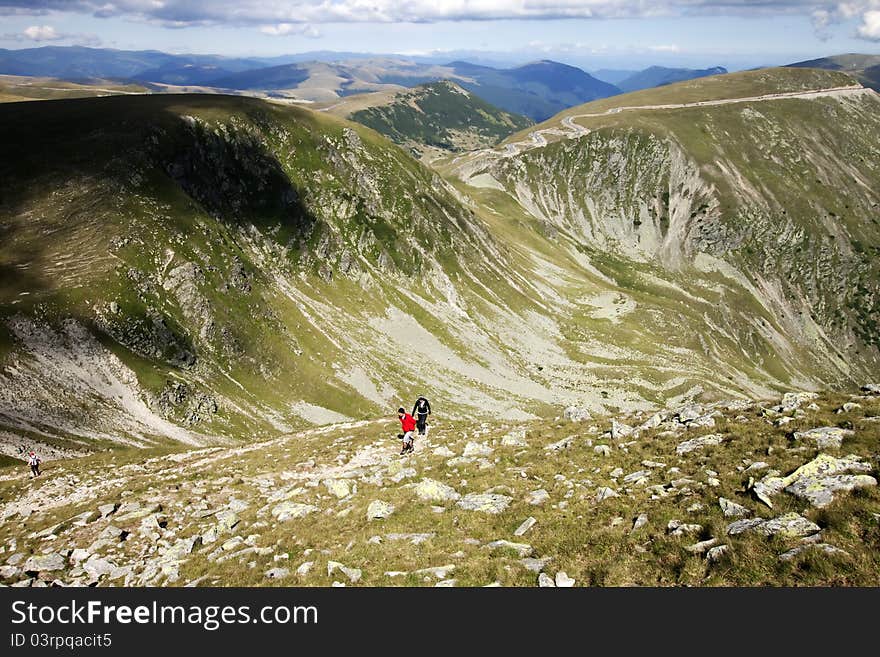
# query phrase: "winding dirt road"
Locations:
[[568, 129]]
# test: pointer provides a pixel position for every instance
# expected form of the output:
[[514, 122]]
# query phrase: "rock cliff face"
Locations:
[[762, 212], [208, 269]]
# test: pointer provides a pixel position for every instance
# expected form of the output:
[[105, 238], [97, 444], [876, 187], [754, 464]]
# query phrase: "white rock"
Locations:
[[563, 580], [379, 509], [640, 521], [698, 443], [353, 574], [545, 581], [522, 549], [526, 525], [731, 509], [277, 573], [576, 414], [473, 449], [537, 497]]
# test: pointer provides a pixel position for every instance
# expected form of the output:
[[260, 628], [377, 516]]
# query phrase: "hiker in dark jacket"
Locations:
[[34, 461], [421, 411]]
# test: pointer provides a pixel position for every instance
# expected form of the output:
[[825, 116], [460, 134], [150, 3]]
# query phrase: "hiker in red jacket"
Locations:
[[408, 424]]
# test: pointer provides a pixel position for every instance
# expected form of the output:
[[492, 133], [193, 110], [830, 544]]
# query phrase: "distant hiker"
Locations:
[[421, 411], [408, 424], [34, 462]]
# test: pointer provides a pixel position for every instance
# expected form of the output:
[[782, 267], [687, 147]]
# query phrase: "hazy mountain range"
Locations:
[[536, 90]]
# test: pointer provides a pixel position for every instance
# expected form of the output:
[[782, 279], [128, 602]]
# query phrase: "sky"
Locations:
[[589, 33]]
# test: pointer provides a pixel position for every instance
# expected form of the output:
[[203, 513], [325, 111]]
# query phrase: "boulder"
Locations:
[[702, 546], [338, 487], [440, 572], [430, 490], [652, 422], [604, 493], [817, 481], [704, 421], [484, 502], [563, 580], [744, 525], [637, 478], [793, 400], [277, 573], [535, 565], [619, 430], [112, 533], [473, 449], [640, 521], [45, 562], [288, 510], [353, 574], [526, 525], [690, 413], [790, 525], [576, 414], [537, 497], [545, 581], [516, 438], [698, 443], [379, 509], [731, 509], [522, 549], [822, 547], [679, 528], [716, 553], [819, 491], [96, 567], [824, 437], [226, 520], [414, 538], [559, 445]]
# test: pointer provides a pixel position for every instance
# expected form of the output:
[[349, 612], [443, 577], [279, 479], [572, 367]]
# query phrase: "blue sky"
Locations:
[[588, 33]]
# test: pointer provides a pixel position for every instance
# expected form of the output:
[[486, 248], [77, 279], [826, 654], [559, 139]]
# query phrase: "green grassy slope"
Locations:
[[441, 116], [204, 268], [751, 221], [240, 258]]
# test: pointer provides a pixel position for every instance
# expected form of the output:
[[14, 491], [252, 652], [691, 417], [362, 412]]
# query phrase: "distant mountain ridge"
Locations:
[[537, 90], [865, 68], [78, 62], [656, 76]]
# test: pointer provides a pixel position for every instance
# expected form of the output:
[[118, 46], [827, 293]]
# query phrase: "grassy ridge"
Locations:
[[440, 115]]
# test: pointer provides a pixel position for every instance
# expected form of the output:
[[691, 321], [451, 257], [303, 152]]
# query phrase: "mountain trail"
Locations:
[[536, 138]]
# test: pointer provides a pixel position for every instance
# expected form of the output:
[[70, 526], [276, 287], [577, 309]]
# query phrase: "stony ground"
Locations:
[[781, 492]]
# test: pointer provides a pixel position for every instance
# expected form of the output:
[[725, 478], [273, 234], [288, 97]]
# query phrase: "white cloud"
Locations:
[[665, 48], [295, 17], [870, 27], [42, 33], [288, 29]]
